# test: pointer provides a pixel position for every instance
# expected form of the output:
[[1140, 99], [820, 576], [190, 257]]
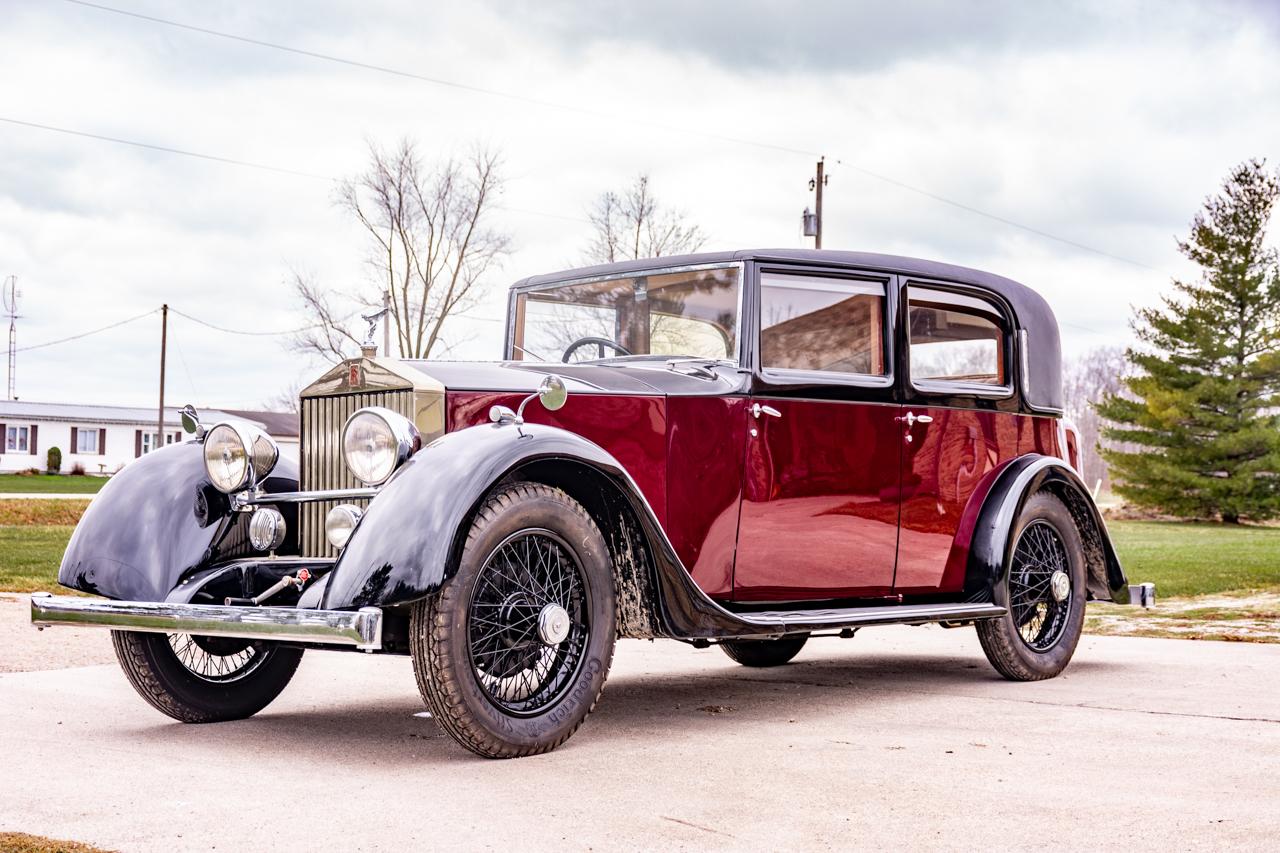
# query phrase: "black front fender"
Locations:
[[992, 543], [407, 543], [155, 522]]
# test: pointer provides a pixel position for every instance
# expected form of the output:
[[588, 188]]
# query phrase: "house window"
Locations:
[[86, 440], [149, 442], [822, 323], [16, 440], [955, 338]]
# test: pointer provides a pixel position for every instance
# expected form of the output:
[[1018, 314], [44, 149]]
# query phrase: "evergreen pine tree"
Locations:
[[1204, 403]]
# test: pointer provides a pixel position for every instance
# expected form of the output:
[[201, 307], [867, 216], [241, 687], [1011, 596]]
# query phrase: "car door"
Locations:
[[955, 432], [819, 512]]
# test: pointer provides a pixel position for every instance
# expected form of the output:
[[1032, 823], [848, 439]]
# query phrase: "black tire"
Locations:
[[466, 663], [201, 694], [764, 652], [1037, 637]]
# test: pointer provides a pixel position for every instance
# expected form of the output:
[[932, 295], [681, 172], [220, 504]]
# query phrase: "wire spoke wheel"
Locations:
[[217, 659], [1040, 586], [529, 622]]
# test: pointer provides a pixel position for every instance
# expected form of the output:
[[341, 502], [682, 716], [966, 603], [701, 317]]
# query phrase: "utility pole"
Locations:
[[164, 343], [812, 222], [817, 203], [11, 308]]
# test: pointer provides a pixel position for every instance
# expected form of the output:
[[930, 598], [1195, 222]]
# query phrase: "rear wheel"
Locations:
[[513, 651], [1036, 638], [204, 679], [764, 652]]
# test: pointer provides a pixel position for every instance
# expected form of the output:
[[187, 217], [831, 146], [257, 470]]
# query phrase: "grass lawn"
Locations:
[[50, 484], [1198, 559], [20, 842], [29, 557]]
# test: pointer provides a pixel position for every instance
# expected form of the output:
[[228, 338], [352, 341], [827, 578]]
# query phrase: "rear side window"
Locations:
[[819, 323], [955, 338]]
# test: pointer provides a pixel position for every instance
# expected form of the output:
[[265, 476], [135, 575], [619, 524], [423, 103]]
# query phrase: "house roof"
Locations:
[[277, 424], [280, 424]]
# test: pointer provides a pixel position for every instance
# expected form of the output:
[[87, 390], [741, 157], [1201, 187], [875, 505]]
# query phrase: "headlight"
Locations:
[[340, 523], [266, 529], [237, 456], [376, 441]]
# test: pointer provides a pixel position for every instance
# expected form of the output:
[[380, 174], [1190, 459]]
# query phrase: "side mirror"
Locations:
[[191, 421], [552, 393]]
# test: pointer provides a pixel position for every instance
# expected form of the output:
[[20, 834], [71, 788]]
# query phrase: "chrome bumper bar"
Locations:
[[360, 628]]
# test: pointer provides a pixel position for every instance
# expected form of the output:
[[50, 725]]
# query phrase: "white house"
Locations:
[[103, 439]]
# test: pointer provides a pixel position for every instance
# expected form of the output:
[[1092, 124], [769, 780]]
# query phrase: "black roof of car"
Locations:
[[1043, 382]]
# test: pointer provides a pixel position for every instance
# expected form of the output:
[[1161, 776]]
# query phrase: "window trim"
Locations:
[[954, 387], [784, 375], [516, 291], [81, 431]]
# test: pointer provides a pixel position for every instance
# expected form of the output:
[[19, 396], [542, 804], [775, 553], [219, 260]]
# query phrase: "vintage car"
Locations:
[[745, 449]]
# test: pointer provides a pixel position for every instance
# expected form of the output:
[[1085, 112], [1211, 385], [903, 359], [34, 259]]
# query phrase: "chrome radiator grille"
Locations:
[[321, 465]]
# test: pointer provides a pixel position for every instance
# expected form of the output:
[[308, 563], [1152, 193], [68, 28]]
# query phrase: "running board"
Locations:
[[360, 628], [776, 622]]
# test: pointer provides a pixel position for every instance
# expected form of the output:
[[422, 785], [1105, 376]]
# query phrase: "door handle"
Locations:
[[757, 410], [911, 419]]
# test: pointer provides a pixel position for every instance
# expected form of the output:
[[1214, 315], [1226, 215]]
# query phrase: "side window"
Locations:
[[955, 338], [818, 323]]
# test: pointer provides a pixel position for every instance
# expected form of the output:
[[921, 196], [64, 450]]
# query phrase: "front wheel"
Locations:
[[1036, 638], [512, 653], [204, 679]]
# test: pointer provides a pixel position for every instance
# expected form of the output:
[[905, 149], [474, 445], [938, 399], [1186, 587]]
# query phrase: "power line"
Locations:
[[242, 331], [439, 81], [166, 149], [997, 218], [88, 333], [687, 131]]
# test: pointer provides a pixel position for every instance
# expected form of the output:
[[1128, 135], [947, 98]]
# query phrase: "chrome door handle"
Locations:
[[757, 410], [912, 419]]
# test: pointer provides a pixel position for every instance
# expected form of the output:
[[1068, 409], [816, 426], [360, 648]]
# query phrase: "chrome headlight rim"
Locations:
[[260, 450], [404, 437]]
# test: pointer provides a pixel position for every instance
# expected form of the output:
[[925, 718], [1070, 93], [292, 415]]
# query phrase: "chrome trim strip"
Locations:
[[893, 614], [306, 497], [359, 628]]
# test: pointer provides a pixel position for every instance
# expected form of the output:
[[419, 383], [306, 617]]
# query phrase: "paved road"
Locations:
[[902, 736], [45, 496]]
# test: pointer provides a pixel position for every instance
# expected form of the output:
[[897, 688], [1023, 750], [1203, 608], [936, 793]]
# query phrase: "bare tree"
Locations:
[[1087, 380], [634, 224], [430, 248]]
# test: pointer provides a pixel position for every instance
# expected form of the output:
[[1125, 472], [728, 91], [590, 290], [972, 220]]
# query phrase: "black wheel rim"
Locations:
[[518, 669], [216, 659], [1040, 567]]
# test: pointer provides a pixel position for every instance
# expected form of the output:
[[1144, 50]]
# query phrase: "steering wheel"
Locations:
[[600, 343]]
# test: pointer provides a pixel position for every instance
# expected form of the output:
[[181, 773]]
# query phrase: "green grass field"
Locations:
[[1181, 559], [1198, 559], [29, 557], [50, 484]]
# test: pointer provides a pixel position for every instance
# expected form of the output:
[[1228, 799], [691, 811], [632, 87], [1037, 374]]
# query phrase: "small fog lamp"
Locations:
[[340, 523], [266, 529]]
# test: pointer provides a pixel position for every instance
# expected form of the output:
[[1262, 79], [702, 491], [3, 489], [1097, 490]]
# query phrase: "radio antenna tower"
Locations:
[[11, 309]]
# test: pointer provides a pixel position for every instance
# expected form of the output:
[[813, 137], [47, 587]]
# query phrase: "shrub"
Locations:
[[29, 472], [53, 460], [77, 470]]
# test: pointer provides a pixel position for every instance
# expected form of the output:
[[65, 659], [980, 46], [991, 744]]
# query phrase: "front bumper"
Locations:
[[359, 628]]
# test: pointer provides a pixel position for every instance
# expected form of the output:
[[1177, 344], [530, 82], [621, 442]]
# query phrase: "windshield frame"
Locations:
[[739, 357]]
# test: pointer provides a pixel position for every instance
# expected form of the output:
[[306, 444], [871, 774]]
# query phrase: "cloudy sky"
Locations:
[[1102, 124]]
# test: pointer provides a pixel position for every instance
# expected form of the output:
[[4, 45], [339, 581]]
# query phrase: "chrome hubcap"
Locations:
[[1060, 584], [553, 624]]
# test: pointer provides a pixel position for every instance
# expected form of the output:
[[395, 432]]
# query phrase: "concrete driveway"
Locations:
[[899, 737]]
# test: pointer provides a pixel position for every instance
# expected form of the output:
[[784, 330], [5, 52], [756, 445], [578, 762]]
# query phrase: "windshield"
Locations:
[[692, 313]]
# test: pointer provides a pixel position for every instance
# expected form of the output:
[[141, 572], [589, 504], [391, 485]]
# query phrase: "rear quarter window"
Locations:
[[956, 338]]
